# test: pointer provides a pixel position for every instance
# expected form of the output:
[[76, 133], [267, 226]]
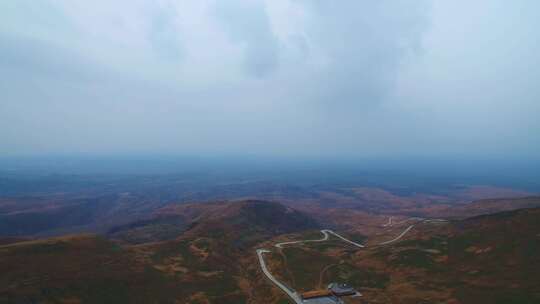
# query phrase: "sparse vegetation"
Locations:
[[466, 260], [359, 277], [306, 265]]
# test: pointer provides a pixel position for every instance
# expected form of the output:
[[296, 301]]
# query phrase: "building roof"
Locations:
[[323, 300], [316, 294], [341, 289]]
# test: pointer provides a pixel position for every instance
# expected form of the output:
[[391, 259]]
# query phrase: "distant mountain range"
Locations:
[[102, 207]]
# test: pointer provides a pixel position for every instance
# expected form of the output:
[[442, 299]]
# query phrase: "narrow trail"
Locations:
[[323, 272], [288, 271]]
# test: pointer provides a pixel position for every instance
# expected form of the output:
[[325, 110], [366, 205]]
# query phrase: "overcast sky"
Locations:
[[273, 78]]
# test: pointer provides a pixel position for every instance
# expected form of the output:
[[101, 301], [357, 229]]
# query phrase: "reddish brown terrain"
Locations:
[[205, 253]]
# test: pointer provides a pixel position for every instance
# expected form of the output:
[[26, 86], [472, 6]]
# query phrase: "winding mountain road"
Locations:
[[326, 235], [398, 237], [291, 293], [324, 238], [389, 222], [343, 239]]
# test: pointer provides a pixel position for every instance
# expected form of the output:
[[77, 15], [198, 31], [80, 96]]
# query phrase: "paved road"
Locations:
[[291, 293], [436, 221], [398, 237], [421, 220], [411, 219], [326, 234], [343, 239], [389, 222], [325, 237]]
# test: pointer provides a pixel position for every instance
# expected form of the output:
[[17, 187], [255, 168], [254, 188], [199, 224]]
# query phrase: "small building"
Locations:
[[316, 294], [323, 300], [341, 289]]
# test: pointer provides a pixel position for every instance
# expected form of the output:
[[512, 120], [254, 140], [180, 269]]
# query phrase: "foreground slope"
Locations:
[[205, 264], [484, 259]]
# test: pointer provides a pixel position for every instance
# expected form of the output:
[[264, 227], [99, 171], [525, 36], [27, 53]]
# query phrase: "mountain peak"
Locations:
[[249, 220]]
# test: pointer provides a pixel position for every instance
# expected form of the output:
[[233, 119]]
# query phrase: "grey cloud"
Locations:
[[333, 78], [25, 58], [164, 36], [365, 42], [246, 22]]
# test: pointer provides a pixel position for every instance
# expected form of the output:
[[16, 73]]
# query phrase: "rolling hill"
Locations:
[[491, 258], [204, 264], [204, 253]]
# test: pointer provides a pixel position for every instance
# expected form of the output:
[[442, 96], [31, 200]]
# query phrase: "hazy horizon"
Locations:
[[416, 172]]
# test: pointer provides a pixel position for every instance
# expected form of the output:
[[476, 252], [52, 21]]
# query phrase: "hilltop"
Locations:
[[208, 258], [245, 221]]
